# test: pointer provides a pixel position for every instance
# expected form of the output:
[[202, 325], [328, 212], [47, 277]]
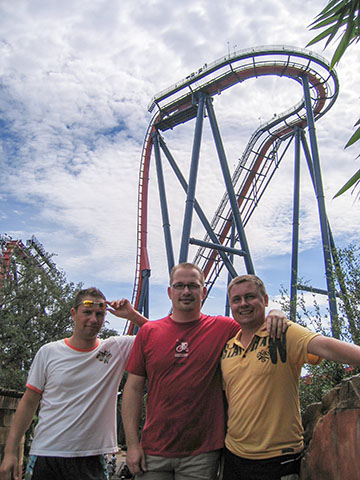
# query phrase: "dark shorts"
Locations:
[[237, 468], [61, 468]]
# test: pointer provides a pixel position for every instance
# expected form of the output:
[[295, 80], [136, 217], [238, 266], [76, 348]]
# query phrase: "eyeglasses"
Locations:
[[90, 303], [182, 286]]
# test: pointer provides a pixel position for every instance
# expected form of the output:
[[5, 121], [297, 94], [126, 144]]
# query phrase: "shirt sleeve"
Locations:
[[232, 327], [125, 345], [300, 337], [37, 375]]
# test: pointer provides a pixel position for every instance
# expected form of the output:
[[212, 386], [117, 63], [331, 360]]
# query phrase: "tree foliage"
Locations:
[[35, 303], [340, 17], [317, 380], [350, 299]]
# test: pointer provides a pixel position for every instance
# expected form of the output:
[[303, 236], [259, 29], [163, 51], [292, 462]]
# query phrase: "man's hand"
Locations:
[[135, 460], [121, 308], [9, 468], [276, 323]]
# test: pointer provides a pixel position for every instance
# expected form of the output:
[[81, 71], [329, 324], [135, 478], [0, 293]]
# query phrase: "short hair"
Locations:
[[248, 278], [87, 292], [189, 266]]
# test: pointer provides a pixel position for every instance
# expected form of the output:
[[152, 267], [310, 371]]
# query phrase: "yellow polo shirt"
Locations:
[[262, 388]]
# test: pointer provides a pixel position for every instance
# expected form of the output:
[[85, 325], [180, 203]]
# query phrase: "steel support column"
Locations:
[[336, 261], [229, 186], [190, 198], [228, 264], [295, 233], [229, 278], [143, 306], [322, 209], [163, 204]]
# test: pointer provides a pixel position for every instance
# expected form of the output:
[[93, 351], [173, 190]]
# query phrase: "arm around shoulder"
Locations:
[[276, 323], [333, 349]]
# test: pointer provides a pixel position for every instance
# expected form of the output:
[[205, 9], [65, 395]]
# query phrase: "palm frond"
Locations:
[[353, 180], [355, 137]]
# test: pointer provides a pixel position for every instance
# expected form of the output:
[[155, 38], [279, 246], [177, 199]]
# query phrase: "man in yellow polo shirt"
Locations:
[[264, 439]]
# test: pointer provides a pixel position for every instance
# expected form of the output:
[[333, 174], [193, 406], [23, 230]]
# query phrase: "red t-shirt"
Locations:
[[184, 405]]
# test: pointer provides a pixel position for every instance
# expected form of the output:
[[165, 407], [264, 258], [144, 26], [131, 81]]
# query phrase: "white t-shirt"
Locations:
[[79, 391]]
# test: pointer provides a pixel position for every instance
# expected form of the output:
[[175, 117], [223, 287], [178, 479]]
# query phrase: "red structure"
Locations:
[[8, 248], [33, 250]]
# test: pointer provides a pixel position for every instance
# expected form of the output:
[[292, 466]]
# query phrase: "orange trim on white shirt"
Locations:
[[34, 388], [82, 349]]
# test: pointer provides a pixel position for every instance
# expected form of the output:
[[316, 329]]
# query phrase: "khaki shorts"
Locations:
[[198, 467]]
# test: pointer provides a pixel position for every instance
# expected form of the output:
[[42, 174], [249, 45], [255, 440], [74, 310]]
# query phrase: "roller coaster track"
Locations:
[[265, 149], [34, 251]]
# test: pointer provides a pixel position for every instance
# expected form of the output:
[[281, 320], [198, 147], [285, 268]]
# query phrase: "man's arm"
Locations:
[[22, 419], [123, 309], [276, 323], [131, 408], [333, 349]]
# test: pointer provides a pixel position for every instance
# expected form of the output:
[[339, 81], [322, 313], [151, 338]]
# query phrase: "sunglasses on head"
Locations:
[[91, 303]]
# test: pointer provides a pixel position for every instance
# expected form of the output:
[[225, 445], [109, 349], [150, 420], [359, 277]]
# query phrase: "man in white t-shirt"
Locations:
[[75, 381]]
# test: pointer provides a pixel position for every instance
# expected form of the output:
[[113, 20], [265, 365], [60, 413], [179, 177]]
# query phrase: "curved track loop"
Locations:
[[263, 152]]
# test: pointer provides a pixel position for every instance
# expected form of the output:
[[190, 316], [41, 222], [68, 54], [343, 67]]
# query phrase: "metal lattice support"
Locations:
[[189, 99]]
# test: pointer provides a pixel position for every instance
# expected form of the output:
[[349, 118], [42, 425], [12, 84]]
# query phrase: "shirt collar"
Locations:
[[261, 332]]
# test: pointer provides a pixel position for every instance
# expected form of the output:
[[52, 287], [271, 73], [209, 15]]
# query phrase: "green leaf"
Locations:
[[336, 5], [355, 178], [346, 38], [335, 16], [340, 22], [355, 137], [329, 10], [339, 52], [325, 22], [320, 37]]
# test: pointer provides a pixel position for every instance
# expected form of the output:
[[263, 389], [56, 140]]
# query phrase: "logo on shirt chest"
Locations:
[[181, 348], [104, 356]]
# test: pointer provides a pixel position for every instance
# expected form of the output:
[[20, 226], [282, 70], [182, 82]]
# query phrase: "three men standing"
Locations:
[[76, 381]]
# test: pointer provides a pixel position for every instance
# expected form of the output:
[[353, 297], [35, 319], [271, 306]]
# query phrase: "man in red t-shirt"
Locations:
[[179, 356]]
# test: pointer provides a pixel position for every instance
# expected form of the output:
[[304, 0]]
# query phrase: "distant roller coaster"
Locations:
[[190, 99], [13, 250]]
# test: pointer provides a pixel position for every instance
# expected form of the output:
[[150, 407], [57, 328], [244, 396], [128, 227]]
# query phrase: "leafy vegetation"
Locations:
[[340, 17], [35, 307], [318, 380]]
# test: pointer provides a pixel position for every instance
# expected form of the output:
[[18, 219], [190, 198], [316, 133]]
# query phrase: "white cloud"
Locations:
[[76, 80]]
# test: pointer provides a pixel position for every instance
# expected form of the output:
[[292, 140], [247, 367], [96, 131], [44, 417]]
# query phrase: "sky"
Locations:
[[76, 78]]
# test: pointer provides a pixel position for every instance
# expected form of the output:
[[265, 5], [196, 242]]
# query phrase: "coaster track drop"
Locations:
[[189, 99]]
